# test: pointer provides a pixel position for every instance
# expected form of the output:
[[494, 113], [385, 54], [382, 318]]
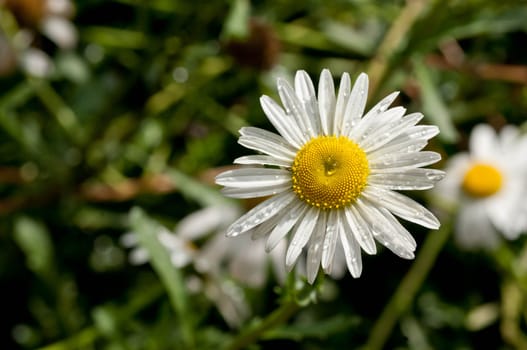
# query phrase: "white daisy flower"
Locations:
[[489, 185], [332, 173]]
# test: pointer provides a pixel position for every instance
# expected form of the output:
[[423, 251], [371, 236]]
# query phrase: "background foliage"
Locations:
[[144, 110]]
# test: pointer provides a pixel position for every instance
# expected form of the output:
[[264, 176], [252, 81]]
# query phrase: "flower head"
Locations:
[[488, 183], [331, 173]]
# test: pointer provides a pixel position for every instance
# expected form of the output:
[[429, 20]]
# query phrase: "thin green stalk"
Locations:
[[408, 288], [255, 331], [392, 41], [64, 115], [84, 338], [512, 299], [172, 278]]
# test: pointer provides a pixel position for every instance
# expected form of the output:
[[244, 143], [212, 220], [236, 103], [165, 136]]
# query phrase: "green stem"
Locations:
[[512, 299], [172, 278], [253, 332], [408, 288], [393, 41], [64, 115]]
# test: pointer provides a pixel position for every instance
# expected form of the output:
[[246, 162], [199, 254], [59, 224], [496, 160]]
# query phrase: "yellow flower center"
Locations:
[[329, 172], [482, 180]]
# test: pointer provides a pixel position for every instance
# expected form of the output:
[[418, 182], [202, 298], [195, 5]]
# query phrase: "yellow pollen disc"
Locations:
[[329, 172], [482, 180]]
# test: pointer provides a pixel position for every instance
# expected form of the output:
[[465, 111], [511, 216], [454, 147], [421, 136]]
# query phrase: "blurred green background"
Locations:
[[130, 103]]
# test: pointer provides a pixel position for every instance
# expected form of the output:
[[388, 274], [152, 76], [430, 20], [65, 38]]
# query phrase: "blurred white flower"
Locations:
[[229, 299], [489, 184], [181, 249], [50, 18], [35, 62], [61, 31], [219, 261], [245, 263]]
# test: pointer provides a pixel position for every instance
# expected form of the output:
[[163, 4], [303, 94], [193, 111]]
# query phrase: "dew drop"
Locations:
[[434, 176]]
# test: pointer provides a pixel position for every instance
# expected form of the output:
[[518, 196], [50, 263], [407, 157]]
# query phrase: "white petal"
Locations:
[[255, 192], [212, 254], [206, 220], [389, 131], [253, 177], [351, 250], [262, 160], [474, 229], [314, 253], [261, 213], [251, 131], [402, 206], [294, 107], [406, 146], [356, 104], [367, 126], [265, 228], [418, 132], [330, 240], [342, 101], [301, 236], [410, 179], [266, 142], [129, 240], [286, 222], [139, 256], [277, 261], [305, 91], [36, 62], [249, 265], [372, 115], [508, 137], [360, 229], [385, 231], [483, 142], [449, 189], [404, 160], [413, 139], [507, 209], [284, 123], [326, 101], [61, 31], [398, 228]]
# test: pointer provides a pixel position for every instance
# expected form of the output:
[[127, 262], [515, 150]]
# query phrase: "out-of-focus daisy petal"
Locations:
[[483, 143]]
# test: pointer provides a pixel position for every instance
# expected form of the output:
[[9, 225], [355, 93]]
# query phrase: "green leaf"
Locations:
[[33, 238], [319, 330], [115, 37], [237, 22], [146, 230], [434, 107], [195, 190], [362, 41]]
